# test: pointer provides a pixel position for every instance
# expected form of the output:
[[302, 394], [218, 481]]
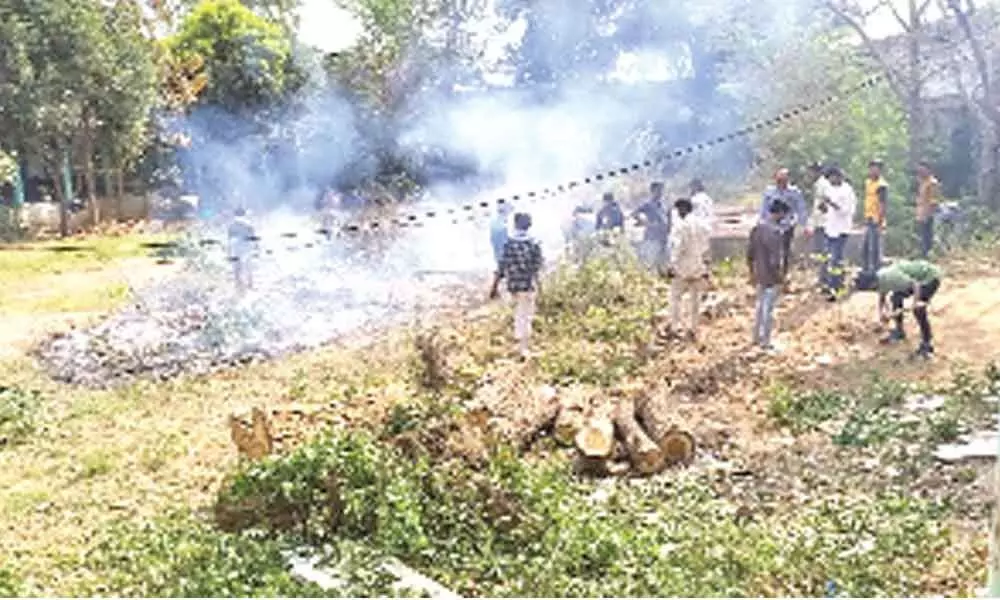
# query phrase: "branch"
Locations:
[[854, 24], [979, 56], [906, 25]]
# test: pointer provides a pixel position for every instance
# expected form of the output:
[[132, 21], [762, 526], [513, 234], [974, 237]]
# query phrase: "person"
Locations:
[[655, 238], [610, 217], [688, 266], [765, 248], [242, 243], [579, 232], [498, 231], [327, 205], [838, 206], [928, 188], [819, 249], [702, 206], [789, 195], [521, 266], [918, 279], [875, 203]]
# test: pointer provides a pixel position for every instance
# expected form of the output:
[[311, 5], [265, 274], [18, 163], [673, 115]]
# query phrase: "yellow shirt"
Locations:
[[927, 197], [873, 210]]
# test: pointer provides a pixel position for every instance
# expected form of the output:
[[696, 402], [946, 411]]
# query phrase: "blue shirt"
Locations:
[[657, 220], [790, 196]]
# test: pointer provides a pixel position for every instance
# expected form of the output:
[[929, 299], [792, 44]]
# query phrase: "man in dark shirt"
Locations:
[[765, 260], [521, 265], [610, 217], [657, 220]]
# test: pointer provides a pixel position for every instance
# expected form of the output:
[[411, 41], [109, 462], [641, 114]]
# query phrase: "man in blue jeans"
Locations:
[[765, 260]]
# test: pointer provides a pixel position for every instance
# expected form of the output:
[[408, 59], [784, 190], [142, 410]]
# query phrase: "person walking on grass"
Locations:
[[790, 196], [876, 202], [917, 279], [688, 267], [765, 260], [928, 188], [242, 244], [521, 266], [838, 207]]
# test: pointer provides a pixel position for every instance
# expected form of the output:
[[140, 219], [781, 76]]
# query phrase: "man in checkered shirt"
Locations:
[[520, 264]]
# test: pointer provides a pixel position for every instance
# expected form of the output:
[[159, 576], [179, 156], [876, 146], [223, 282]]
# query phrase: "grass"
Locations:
[[55, 257], [110, 490]]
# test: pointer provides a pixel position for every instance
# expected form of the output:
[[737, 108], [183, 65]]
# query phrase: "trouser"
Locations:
[[524, 314], [679, 287], [835, 262], [872, 247], [819, 254], [242, 273], [767, 297], [654, 254], [927, 292], [926, 230], [787, 237]]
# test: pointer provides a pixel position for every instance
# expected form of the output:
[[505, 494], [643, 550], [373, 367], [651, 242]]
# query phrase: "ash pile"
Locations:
[[195, 322]]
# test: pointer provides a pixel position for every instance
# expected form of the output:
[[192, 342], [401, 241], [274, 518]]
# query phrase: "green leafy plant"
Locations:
[[18, 412], [804, 412]]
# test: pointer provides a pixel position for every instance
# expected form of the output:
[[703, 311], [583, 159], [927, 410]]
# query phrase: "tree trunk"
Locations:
[[120, 191], [596, 438], [644, 454], [88, 167], [987, 188], [60, 197], [678, 446]]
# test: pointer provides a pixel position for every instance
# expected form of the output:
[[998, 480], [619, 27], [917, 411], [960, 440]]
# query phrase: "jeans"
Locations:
[[926, 230], [654, 254], [767, 297], [524, 314], [835, 264], [819, 254], [872, 247], [679, 287], [927, 292]]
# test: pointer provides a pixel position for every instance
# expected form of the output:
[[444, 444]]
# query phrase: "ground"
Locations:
[[142, 450]]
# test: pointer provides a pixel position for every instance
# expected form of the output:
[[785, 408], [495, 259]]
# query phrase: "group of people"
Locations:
[[676, 242]]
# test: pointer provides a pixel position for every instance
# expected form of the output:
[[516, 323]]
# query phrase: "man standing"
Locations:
[[819, 249], [764, 261], [656, 235], [876, 203], [838, 206], [928, 188], [688, 267], [521, 265], [702, 206], [919, 279], [610, 217], [498, 231], [242, 243], [791, 197]]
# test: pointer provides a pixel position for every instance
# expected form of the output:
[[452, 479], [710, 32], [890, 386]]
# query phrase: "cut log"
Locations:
[[588, 466], [569, 422], [677, 445], [254, 442], [596, 439], [644, 454]]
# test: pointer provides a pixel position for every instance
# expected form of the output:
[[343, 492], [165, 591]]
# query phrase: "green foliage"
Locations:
[[179, 555], [804, 412], [517, 529], [600, 311], [10, 585], [18, 412], [245, 55]]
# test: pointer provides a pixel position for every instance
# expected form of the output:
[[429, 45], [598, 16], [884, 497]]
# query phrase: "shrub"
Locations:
[[18, 409]]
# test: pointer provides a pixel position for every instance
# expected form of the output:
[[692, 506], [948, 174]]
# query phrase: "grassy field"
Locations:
[[816, 479]]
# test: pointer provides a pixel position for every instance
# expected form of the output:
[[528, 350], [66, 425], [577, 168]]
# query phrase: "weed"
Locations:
[[96, 464], [181, 556], [18, 411], [804, 412], [10, 585]]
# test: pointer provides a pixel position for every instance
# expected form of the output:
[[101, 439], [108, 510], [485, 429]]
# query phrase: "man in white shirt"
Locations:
[[688, 267], [837, 207], [703, 208], [819, 249]]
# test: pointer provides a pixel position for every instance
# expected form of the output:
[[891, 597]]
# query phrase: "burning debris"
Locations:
[[196, 323]]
